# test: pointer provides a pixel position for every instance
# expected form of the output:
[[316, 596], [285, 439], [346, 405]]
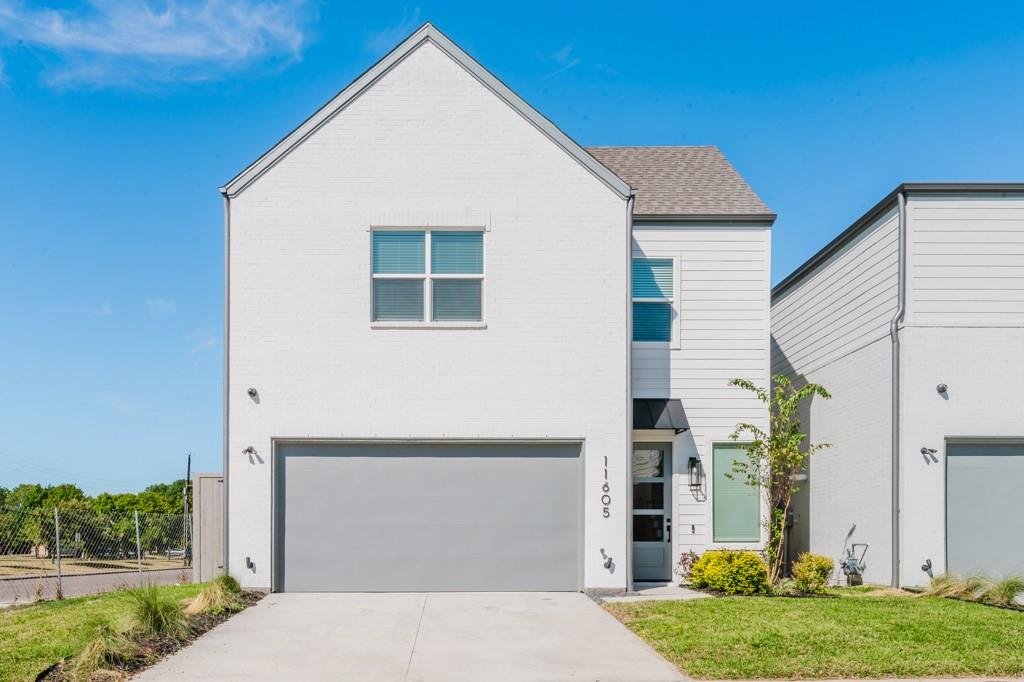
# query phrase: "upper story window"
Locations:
[[428, 275], [653, 299]]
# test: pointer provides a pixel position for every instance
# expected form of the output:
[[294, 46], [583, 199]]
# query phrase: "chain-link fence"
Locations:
[[73, 551]]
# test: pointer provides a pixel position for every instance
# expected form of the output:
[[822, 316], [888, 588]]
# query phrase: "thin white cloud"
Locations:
[[386, 38], [563, 59], [158, 307], [141, 42], [103, 309], [201, 340]]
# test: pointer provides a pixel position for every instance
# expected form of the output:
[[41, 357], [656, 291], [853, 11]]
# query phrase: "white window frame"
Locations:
[[427, 278], [673, 342]]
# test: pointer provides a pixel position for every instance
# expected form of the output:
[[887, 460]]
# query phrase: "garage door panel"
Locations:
[[985, 508], [429, 517]]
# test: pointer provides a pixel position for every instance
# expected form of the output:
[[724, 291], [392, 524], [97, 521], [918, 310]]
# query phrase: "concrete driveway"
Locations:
[[419, 637]]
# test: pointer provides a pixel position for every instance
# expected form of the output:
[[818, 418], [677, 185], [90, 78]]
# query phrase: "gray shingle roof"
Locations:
[[682, 181]]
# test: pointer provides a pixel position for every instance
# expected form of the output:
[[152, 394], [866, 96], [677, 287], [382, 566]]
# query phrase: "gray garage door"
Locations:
[[428, 517], [985, 508]]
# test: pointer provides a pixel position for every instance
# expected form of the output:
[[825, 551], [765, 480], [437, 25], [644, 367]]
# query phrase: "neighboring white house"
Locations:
[[431, 379], [929, 296]]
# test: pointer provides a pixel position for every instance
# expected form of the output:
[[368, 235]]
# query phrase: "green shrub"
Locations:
[[157, 613], [730, 571], [811, 573], [786, 588]]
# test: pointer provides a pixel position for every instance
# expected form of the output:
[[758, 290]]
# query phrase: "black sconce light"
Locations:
[[696, 472], [942, 388], [928, 451]]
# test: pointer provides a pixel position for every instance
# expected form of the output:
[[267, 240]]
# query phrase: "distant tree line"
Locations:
[[159, 498], [91, 527]]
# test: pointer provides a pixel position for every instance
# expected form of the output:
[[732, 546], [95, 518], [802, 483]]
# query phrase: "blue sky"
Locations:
[[118, 121]]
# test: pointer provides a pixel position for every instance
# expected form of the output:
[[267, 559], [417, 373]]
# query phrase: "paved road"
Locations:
[[25, 590], [471, 637]]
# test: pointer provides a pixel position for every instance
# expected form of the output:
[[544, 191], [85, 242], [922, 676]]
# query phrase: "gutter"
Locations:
[[629, 389], [227, 346], [894, 335]]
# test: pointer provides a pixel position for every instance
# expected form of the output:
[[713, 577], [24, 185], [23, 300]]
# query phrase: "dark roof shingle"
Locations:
[[682, 181]]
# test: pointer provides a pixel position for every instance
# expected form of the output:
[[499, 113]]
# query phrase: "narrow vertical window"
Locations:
[[653, 299]]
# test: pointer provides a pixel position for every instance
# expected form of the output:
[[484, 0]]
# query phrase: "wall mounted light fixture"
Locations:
[[696, 472], [928, 451], [942, 388]]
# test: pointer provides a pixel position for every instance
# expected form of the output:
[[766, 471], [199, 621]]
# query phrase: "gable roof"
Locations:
[[427, 32], [684, 183]]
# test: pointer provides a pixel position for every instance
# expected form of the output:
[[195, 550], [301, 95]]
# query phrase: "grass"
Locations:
[[852, 635], [157, 613], [223, 595], [36, 636]]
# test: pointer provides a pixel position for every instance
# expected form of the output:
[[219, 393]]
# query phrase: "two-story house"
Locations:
[[466, 353], [913, 318]]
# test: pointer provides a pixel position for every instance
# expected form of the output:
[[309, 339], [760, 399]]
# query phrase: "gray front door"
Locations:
[[652, 504], [428, 517], [985, 508]]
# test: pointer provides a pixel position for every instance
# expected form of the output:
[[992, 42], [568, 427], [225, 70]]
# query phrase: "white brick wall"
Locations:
[[428, 144]]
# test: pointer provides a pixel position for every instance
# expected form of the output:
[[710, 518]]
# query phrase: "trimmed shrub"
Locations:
[[730, 571], [811, 573], [157, 613]]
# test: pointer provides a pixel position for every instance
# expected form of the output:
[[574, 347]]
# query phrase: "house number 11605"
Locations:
[[606, 498]]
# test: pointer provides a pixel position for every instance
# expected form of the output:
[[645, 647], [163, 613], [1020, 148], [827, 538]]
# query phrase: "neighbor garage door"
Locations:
[[428, 517], [985, 508]]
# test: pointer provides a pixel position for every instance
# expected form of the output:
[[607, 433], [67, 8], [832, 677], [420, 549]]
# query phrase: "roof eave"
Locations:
[[427, 32], [705, 217], [887, 203]]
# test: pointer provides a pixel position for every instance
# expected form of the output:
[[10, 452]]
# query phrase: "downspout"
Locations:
[[894, 335], [629, 391], [227, 346]]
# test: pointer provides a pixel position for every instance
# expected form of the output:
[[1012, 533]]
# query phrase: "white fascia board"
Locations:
[[378, 70]]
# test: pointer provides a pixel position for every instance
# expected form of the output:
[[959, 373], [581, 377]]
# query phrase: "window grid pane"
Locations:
[[398, 299], [652, 278], [398, 253], [457, 253], [652, 322], [737, 506], [456, 299]]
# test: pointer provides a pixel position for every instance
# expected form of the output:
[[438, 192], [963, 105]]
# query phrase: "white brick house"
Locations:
[[913, 318], [431, 369]]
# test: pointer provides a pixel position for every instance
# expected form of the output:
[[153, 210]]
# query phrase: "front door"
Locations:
[[652, 504]]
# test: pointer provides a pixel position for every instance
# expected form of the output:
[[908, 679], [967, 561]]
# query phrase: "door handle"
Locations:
[[668, 529]]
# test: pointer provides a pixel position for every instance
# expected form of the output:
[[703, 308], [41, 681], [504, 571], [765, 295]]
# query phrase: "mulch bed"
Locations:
[[154, 648]]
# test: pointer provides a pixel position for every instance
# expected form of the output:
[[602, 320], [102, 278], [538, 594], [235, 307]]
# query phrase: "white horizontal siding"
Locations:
[[845, 304], [966, 261]]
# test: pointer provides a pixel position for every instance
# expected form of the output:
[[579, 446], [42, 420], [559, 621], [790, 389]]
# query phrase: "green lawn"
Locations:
[[36, 636], [854, 635]]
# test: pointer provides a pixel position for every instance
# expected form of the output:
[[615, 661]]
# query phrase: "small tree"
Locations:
[[776, 457]]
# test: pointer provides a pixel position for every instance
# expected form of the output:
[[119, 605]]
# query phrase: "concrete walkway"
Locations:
[[478, 637], [657, 592]]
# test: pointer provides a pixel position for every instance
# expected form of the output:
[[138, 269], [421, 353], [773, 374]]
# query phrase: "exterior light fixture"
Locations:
[[696, 472], [928, 451], [249, 451], [942, 388], [251, 392]]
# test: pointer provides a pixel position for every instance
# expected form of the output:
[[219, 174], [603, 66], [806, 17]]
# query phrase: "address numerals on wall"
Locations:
[[606, 498]]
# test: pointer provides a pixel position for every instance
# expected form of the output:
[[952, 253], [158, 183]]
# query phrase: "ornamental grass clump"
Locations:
[[223, 595], [731, 572], [811, 573], [107, 650], [158, 614]]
